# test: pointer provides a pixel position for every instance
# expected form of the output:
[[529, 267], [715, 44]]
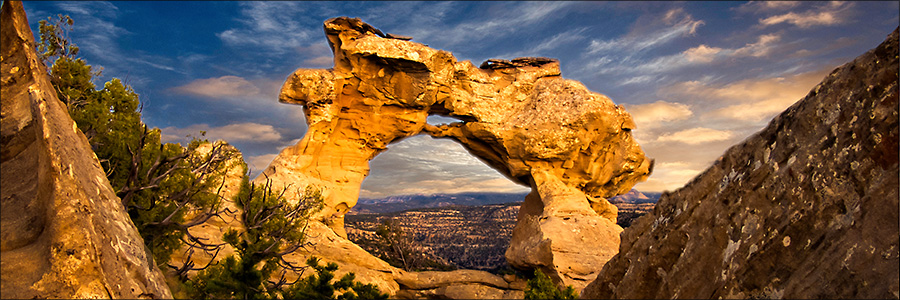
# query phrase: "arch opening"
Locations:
[[449, 208]]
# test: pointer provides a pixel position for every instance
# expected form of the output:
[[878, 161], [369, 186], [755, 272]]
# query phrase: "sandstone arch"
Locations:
[[572, 147]]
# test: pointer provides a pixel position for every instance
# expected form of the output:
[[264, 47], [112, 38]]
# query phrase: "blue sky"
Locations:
[[698, 77]]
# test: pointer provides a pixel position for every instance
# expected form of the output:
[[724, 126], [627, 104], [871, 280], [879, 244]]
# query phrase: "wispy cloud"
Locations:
[[449, 167], [241, 132], [98, 37], [438, 23], [225, 86], [552, 43], [656, 114], [748, 100], [696, 136], [835, 12], [258, 163], [672, 24], [276, 26], [765, 6], [670, 176]]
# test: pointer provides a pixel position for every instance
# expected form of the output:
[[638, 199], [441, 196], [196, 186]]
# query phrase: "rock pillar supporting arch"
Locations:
[[573, 147]]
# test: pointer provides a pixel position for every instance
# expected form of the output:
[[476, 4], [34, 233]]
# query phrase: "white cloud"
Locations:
[[258, 163], [653, 115], [276, 26], [668, 176], [750, 100], [549, 44], [701, 54], [766, 6], [671, 25], [521, 14], [696, 136], [833, 13], [459, 185], [422, 164], [637, 79], [559, 40], [241, 132], [762, 47], [622, 55], [225, 86], [695, 56]]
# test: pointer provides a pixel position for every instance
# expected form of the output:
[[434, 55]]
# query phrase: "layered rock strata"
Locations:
[[65, 234], [572, 146], [806, 208]]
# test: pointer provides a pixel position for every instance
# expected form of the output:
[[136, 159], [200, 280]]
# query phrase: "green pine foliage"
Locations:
[[167, 188], [274, 229], [159, 183], [320, 286], [542, 287]]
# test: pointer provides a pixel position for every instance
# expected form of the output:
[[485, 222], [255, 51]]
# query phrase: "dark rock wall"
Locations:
[[806, 208], [64, 232]]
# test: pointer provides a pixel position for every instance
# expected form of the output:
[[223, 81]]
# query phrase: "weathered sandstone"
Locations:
[[65, 234], [806, 208], [459, 284], [572, 146]]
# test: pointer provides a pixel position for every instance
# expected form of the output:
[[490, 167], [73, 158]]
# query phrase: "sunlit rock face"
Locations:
[[806, 208], [65, 234], [573, 147]]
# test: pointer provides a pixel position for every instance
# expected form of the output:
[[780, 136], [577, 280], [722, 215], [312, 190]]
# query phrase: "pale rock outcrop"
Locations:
[[572, 146], [65, 234], [806, 208], [459, 284]]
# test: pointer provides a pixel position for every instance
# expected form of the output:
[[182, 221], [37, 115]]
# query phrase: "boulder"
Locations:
[[434, 279], [459, 284], [806, 208], [573, 147], [64, 233], [462, 291]]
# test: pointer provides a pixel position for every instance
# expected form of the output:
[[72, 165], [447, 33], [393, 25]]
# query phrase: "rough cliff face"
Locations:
[[572, 146], [65, 234], [806, 208]]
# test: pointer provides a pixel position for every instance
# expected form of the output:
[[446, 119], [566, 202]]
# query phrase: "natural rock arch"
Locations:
[[572, 147]]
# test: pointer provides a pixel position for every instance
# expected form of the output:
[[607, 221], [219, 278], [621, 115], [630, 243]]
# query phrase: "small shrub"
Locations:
[[541, 287]]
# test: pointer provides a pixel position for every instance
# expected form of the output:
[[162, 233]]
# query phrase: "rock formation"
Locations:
[[460, 284], [65, 234], [573, 147], [806, 208]]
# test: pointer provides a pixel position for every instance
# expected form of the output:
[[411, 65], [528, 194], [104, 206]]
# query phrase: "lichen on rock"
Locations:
[[806, 208]]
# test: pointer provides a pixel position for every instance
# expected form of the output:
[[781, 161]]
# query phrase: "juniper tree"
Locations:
[[157, 182]]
